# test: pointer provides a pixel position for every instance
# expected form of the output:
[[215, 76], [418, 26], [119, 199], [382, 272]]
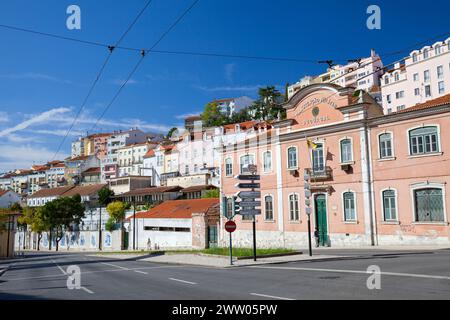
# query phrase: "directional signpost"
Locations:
[[307, 187], [249, 203]]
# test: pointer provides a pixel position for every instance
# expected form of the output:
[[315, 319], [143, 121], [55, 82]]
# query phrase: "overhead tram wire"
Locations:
[[207, 54], [144, 53], [99, 74]]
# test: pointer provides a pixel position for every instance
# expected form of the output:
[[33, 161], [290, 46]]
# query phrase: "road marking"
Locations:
[[183, 281], [137, 271], [114, 265], [398, 274], [61, 269], [87, 290], [272, 297]]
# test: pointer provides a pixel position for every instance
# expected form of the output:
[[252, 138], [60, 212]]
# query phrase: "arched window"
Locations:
[[437, 49], [385, 141], [389, 205], [397, 76], [245, 161], [267, 161], [349, 206], [292, 158], [424, 140], [429, 205], [414, 57], [425, 54], [228, 167], [268, 204], [293, 207], [346, 151]]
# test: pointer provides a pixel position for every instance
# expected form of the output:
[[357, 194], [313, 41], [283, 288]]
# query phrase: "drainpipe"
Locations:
[[370, 184]]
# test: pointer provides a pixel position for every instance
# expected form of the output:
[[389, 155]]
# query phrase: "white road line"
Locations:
[[87, 290], [183, 281], [59, 267], [114, 265], [397, 274], [137, 271], [272, 297]]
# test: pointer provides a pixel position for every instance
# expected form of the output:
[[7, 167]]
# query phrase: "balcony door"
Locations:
[[318, 161]]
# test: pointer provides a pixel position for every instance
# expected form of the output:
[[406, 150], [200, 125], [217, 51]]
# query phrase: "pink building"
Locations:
[[375, 179]]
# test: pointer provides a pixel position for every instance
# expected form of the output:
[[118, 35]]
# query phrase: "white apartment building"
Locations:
[[131, 159], [230, 106], [424, 76], [78, 148], [118, 140], [55, 175], [362, 74]]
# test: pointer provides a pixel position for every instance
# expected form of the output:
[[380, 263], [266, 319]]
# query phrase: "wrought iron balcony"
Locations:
[[320, 174]]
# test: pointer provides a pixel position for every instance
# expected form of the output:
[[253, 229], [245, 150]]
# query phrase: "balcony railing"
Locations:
[[320, 174]]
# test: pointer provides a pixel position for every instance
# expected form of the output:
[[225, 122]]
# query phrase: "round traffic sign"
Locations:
[[230, 226]]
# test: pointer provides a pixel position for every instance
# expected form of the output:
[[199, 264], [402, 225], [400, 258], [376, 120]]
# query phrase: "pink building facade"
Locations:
[[375, 179]]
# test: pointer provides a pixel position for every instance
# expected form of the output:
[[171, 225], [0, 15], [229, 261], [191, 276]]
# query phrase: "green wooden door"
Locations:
[[321, 219]]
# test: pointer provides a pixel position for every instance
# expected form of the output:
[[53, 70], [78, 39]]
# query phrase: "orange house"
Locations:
[[375, 179]]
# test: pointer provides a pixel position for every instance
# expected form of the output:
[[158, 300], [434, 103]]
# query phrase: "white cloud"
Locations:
[[45, 117], [183, 116], [229, 71], [60, 133], [4, 117], [120, 82], [13, 157], [34, 76], [250, 88]]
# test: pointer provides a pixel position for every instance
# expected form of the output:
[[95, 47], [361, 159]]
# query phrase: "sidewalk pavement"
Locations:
[[215, 261], [224, 261]]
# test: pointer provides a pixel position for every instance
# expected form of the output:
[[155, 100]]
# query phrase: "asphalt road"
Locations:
[[404, 275]]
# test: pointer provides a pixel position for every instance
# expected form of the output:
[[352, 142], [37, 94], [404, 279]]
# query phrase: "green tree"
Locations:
[[105, 196], [267, 106], [171, 132], [214, 193], [62, 214], [116, 211], [241, 116], [110, 225], [212, 117]]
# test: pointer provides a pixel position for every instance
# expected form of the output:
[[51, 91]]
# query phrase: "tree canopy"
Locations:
[[105, 196]]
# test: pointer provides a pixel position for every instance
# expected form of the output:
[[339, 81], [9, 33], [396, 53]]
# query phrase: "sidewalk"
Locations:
[[215, 261], [318, 254]]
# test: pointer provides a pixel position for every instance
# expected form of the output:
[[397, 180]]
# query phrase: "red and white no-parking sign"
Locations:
[[230, 226]]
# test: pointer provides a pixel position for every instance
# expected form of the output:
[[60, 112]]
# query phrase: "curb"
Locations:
[[2, 271]]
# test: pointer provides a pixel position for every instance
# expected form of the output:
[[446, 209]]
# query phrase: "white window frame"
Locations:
[[396, 204], [425, 185], [273, 207], [343, 206], [264, 161], [240, 160], [231, 163], [340, 150], [298, 205], [419, 127], [392, 144], [287, 157]]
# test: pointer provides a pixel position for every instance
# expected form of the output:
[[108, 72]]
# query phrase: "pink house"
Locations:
[[375, 179]]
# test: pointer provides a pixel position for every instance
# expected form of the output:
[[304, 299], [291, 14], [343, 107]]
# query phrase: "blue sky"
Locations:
[[43, 81]]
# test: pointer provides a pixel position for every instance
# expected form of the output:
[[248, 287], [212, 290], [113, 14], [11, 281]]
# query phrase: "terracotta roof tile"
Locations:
[[150, 153], [179, 209], [55, 192], [149, 191], [427, 105], [84, 190]]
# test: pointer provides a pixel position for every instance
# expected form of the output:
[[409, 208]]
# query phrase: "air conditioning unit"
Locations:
[[346, 167]]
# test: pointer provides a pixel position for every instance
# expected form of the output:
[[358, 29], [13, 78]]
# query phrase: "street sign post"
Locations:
[[248, 202], [308, 211], [249, 194], [248, 185], [250, 212], [230, 227], [248, 177]]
